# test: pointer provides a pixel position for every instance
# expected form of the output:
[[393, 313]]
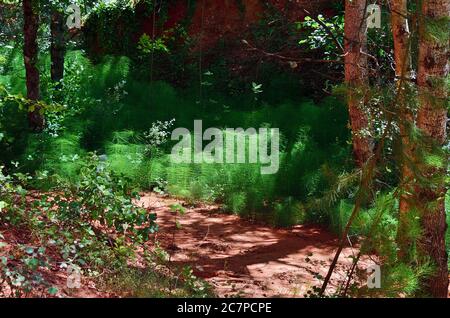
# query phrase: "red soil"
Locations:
[[238, 256]]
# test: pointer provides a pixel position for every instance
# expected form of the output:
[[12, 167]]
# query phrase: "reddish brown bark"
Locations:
[[30, 54], [356, 77], [432, 121], [401, 35]]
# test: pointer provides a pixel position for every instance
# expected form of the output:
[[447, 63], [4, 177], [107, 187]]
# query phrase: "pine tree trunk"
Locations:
[[30, 54], [356, 77], [432, 120], [401, 35], [57, 48]]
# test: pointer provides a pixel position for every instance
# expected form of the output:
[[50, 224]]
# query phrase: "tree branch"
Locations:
[[287, 58], [327, 29]]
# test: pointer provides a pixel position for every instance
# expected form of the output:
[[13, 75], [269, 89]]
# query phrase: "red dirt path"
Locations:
[[238, 257]]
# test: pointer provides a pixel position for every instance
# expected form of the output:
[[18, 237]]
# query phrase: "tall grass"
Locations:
[[108, 110]]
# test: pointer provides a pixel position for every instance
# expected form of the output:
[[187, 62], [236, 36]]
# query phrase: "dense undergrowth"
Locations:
[[91, 228], [113, 113]]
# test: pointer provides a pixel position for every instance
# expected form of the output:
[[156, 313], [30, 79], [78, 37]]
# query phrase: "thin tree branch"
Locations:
[[327, 29], [287, 58]]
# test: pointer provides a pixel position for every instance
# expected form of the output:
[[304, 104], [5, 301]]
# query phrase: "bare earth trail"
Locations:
[[241, 258]]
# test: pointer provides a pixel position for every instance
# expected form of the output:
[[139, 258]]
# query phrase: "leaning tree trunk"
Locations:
[[57, 48], [30, 54], [356, 77], [401, 34], [433, 71]]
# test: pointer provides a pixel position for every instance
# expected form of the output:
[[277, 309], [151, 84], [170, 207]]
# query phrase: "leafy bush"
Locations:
[[92, 224]]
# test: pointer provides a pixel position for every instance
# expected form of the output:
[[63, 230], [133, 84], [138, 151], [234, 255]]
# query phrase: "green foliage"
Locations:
[[18, 272], [118, 29], [114, 25], [157, 137], [318, 34], [106, 198], [146, 45], [24, 104], [92, 223], [18, 263], [437, 30], [288, 212], [447, 236], [399, 279], [159, 284], [85, 209], [378, 227], [129, 121]]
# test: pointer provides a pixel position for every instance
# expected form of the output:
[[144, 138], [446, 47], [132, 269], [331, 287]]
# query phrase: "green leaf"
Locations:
[[29, 250], [52, 290], [32, 263], [3, 205]]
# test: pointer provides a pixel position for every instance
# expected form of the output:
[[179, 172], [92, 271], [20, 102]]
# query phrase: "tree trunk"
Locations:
[[401, 34], [30, 54], [433, 70], [356, 77], [57, 48]]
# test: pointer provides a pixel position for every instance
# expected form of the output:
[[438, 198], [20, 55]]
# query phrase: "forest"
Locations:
[[224, 148]]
